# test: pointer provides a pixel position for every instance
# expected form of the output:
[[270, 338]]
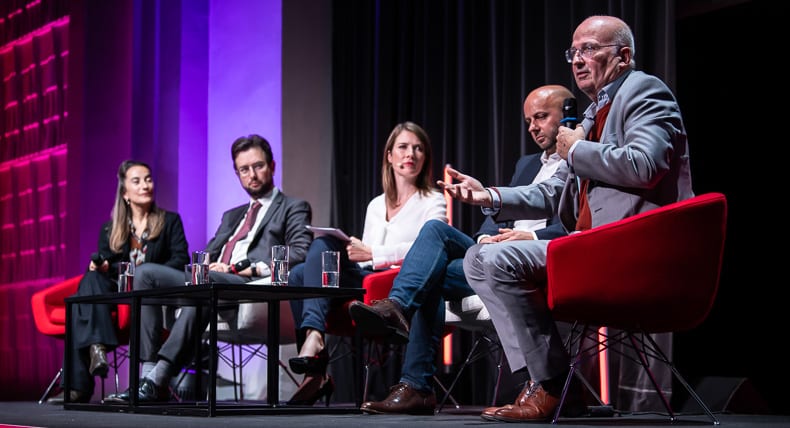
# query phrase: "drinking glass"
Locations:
[[125, 276], [280, 265], [330, 268], [200, 271]]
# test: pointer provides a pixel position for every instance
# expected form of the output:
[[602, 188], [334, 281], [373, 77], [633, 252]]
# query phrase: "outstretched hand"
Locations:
[[467, 189]]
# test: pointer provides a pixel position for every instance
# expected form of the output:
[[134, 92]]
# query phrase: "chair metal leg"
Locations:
[[471, 357], [51, 385], [677, 374], [446, 393]]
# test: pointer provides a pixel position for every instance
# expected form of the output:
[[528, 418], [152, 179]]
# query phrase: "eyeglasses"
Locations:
[[586, 52], [248, 169]]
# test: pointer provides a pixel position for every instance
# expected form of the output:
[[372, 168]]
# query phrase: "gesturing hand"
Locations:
[[467, 189]]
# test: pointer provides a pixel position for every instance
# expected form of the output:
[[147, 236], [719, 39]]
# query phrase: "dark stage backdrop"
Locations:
[[459, 68], [462, 69]]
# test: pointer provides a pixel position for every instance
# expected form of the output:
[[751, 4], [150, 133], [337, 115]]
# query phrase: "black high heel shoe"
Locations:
[[312, 389], [315, 364]]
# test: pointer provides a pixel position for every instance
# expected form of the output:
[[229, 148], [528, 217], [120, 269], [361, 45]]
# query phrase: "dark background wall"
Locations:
[[729, 98]]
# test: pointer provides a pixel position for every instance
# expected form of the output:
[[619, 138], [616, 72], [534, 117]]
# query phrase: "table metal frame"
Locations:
[[215, 295]]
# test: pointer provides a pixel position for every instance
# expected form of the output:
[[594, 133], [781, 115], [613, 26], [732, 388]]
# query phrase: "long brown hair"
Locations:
[[122, 212], [424, 178]]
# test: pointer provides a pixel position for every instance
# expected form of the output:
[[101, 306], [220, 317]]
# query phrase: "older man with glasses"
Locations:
[[628, 156]]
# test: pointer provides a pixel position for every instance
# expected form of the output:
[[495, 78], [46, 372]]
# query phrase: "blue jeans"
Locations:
[[311, 313], [431, 273]]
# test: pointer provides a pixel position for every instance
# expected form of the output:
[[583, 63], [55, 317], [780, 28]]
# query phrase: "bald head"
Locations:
[[543, 113], [607, 30], [552, 96]]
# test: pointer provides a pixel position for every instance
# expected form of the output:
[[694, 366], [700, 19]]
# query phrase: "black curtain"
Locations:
[[461, 69]]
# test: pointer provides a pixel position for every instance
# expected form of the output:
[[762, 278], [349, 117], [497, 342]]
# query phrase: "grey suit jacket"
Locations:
[[641, 162], [284, 223]]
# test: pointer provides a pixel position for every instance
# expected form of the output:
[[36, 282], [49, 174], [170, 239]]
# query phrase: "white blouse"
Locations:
[[391, 240]]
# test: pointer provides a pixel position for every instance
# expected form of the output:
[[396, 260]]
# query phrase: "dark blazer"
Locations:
[[284, 223], [170, 248], [526, 170]]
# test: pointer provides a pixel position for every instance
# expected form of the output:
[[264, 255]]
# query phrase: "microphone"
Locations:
[[569, 113]]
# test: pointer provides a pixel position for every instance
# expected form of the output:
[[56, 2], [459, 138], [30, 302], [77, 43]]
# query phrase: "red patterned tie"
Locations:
[[245, 229], [584, 221]]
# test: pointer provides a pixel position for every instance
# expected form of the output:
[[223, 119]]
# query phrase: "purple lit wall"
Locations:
[[244, 93]]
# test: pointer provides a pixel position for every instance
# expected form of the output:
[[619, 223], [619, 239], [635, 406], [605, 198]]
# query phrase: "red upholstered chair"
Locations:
[[49, 314], [655, 272]]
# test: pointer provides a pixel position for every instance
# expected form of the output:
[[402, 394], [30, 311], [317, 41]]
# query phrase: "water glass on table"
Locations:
[[330, 269], [199, 268], [125, 276], [280, 265]]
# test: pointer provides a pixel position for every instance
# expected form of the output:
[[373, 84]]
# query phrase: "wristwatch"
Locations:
[[254, 268]]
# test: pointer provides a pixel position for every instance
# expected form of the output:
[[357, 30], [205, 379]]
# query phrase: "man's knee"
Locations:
[[144, 276]]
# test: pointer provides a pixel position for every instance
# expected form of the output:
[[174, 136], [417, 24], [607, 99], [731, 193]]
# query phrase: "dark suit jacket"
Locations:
[[526, 170], [169, 248], [284, 223]]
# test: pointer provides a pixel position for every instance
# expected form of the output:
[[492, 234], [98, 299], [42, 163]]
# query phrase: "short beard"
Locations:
[[259, 193]]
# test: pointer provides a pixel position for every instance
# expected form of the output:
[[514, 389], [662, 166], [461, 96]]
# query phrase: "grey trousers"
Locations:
[[510, 278], [179, 347]]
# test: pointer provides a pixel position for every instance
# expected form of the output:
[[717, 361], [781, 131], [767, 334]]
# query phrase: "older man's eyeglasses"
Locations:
[[586, 52], [248, 169]]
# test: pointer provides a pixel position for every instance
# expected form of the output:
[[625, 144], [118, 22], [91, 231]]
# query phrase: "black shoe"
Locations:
[[99, 365], [313, 365], [75, 396], [312, 389], [382, 320], [121, 397], [150, 392]]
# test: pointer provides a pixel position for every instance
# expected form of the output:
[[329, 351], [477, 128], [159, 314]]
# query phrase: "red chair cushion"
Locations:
[[658, 271]]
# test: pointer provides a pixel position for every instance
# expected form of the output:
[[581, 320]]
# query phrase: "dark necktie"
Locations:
[[245, 229], [584, 221]]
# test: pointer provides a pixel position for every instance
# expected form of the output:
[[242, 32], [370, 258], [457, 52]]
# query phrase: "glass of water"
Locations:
[[125, 276], [280, 265], [330, 268]]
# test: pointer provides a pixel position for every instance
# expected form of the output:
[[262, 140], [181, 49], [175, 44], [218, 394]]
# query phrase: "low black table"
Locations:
[[215, 295]]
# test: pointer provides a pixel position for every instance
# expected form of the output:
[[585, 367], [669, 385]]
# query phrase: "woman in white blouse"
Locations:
[[392, 222]]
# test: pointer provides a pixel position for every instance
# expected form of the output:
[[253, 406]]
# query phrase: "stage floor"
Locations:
[[32, 414]]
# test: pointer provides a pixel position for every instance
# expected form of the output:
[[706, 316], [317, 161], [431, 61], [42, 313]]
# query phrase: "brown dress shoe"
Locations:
[[383, 319], [99, 365], [405, 400], [490, 412], [533, 404]]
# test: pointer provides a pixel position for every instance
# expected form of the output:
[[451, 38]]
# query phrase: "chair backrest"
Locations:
[[657, 271], [49, 310], [49, 307]]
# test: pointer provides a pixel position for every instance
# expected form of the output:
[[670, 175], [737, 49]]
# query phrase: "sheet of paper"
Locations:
[[331, 231]]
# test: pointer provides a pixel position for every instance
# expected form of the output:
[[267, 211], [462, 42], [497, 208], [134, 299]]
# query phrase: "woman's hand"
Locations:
[[358, 251], [101, 268]]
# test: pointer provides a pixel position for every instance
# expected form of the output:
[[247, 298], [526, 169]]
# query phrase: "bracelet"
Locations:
[[233, 269]]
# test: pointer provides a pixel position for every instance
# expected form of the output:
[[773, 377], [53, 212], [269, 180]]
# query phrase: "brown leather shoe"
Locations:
[[383, 319], [490, 412], [405, 400], [99, 365], [533, 404], [75, 396]]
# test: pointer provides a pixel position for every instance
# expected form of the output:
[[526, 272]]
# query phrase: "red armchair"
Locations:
[[49, 314], [655, 272]]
